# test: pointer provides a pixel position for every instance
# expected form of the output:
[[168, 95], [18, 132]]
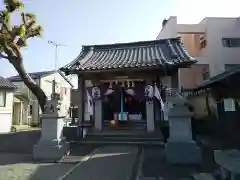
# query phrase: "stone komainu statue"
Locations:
[[148, 91], [53, 105]]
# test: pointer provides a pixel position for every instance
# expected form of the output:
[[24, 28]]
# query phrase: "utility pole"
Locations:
[[55, 62]]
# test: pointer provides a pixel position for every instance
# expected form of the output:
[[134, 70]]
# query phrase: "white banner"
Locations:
[[108, 92], [158, 96]]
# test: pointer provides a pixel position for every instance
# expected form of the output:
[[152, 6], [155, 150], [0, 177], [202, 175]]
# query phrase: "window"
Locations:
[[203, 42], [205, 75], [2, 99], [229, 67], [231, 42], [30, 110], [65, 91]]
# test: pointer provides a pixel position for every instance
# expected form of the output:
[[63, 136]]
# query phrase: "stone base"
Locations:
[[50, 151], [183, 153]]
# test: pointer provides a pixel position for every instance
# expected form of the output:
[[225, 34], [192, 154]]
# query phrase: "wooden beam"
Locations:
[[120, 75]]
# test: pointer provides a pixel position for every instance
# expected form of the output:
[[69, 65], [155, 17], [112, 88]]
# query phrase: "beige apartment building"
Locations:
[[214, 42]]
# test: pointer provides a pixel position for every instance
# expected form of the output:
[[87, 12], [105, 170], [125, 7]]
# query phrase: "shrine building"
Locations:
[[121, 84]]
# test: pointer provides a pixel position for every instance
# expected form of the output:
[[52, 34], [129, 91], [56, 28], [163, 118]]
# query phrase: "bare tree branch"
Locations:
[[23, 18]]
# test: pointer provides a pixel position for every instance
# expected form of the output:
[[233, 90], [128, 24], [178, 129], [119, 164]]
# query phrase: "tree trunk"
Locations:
[[30, 83]]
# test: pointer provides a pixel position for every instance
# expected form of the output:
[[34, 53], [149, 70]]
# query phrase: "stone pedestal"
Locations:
[[180, 148], [98, 119], [150, 116], [51, 146]]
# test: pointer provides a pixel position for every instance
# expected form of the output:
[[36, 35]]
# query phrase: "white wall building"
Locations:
[[26, 108], [6, 104]]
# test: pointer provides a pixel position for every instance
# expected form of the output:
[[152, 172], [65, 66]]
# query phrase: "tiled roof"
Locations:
[[131, 55], [36, 75], [6, 84], [226, 78]]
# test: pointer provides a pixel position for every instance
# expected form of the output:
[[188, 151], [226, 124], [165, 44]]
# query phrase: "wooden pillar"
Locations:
[[175, 80], [166, 81], [21, 113], [150, 111], [81, 99], [98, 115]]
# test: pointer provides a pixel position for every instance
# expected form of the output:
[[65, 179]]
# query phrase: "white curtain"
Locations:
[[89, 104], [130, 92]]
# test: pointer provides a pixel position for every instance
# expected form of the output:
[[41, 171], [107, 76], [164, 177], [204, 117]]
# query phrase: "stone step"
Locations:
[[107, 142], [123, 137], [122, 128], [150, 178], [122, 133], [127, 138], [203, 176]]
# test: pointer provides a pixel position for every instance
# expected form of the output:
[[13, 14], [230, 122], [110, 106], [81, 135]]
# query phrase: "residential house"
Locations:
[[26, 109], [6, 104], [214, 42]]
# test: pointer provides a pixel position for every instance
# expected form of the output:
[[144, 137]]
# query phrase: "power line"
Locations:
[[55, 61], [56, 52]]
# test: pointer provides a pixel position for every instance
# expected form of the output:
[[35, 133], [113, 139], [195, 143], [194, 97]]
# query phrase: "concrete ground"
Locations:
[[107, 162]]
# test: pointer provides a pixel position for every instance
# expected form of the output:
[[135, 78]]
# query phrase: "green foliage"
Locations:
[[14, 37]]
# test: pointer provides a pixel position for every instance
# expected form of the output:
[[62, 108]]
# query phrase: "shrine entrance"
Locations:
[[124, 108]]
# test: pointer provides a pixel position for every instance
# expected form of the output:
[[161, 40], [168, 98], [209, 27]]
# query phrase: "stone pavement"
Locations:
[[155, 166], [108, 163]]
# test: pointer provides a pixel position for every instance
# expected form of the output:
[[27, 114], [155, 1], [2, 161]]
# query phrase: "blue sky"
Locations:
[[82, 22]]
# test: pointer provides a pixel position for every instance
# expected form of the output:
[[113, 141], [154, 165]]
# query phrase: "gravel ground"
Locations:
[[22, 167], [31, 171]]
